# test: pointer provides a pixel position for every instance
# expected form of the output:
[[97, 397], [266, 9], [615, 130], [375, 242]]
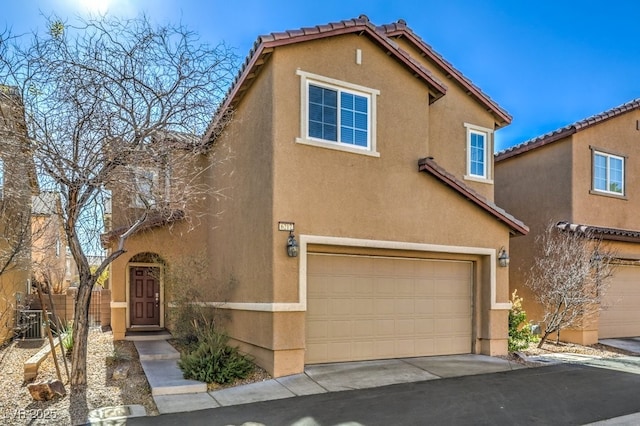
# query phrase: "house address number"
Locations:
[[285, 226]]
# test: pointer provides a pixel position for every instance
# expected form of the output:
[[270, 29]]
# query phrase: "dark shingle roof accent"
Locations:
[[155, 220], [606, 233], [382, 35], [400, 29], [428, 165], [563, 132]]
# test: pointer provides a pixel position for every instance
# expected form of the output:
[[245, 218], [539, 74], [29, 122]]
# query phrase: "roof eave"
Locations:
[[516, 227], [530, 146], [266, 44], [502, 117]]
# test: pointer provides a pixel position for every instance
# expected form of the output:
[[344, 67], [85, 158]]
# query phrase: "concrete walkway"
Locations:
[[160, 364], [172, 393]]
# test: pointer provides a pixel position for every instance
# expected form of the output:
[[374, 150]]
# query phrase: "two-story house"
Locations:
[[582, 177], [51, 262], [356, 219], [17, 182]]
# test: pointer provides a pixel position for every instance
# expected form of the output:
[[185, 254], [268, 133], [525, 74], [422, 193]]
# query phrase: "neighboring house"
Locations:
[[377, 155], [52, 263], [17, 182], [585, 176]]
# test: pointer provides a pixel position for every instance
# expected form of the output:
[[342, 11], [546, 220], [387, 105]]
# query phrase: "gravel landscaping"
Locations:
[[18, 408]]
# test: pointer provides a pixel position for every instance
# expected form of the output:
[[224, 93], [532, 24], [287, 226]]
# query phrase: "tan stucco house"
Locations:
[[17, 183], [52, 265], [582, 177], [376, 155]]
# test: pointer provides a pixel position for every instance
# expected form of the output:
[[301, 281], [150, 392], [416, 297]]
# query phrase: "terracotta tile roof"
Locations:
[[606, 233], [563, 132], [400, 29], [153, 221], [428, 165], [382, 35]]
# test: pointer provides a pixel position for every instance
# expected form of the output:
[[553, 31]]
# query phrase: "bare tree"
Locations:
[[109, 103], [569, 277]]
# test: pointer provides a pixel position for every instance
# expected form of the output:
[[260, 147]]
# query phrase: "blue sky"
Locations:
[[548, 63]]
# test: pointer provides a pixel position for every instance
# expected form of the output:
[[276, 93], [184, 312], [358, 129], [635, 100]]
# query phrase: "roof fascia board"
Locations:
[[491, 106], [436, 88], [426, 165]]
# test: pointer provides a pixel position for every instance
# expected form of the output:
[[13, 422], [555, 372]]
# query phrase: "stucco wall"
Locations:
[[618, 136], [332, 193], [536, 187]]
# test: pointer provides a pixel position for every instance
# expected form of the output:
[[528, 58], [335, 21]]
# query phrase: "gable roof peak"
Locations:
[[382, 35]]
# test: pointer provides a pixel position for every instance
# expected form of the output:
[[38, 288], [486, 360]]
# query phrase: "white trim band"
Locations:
[[305, 240]]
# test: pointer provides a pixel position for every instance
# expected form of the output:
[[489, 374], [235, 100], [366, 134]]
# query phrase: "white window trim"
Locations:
[[488, 160], [138, 172], [305, 79], [608, 156]]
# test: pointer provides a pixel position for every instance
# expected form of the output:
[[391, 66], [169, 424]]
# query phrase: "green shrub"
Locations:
[[520, 333], [66, 337], [214, 361]]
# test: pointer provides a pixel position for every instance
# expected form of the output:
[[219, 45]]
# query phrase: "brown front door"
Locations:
[[145, 295]]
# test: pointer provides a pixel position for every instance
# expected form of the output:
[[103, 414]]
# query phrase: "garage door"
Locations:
[[621, 316], [362, 308]]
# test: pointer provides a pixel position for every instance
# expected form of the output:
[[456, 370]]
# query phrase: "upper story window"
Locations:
[[608, 173], [337, 115], [479, 153], [149, 190]]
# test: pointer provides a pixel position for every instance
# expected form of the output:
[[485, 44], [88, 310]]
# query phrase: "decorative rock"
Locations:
[[120, 372], [46, 390]]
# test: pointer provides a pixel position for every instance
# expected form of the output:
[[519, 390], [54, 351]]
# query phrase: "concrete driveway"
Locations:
[[326, 378], [630, 344], [561, 394]]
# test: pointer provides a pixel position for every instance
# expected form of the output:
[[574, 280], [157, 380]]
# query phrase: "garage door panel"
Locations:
[[375, 308], [620, 316]]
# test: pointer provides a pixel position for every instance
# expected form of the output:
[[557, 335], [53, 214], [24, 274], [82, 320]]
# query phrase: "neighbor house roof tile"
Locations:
[[606, 233], [565, 131]]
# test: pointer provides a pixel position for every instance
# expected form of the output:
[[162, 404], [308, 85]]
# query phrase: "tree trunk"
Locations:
[[544, 338], [80, 335]]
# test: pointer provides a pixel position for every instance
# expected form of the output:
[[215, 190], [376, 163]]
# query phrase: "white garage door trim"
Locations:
[[305, 240]]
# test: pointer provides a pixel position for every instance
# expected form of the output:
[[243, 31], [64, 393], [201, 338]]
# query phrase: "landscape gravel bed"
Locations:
[[18, 408]]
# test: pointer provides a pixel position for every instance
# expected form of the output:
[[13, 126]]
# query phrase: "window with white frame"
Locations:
[[608, 173], [479, 152], [145, 187], [337, 115]]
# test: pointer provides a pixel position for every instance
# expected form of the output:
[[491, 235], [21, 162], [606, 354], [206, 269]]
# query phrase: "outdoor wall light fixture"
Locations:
[[503, 258], [292, 245]]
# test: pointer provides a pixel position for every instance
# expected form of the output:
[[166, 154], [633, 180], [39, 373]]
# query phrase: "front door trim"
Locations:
[[128, 289]]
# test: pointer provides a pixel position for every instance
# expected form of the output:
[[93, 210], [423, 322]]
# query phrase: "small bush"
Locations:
[[66, 338], [520, 333], [214, 361], [118, 356]]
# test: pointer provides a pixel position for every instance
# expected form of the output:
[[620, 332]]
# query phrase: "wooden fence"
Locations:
[[99, 309]]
